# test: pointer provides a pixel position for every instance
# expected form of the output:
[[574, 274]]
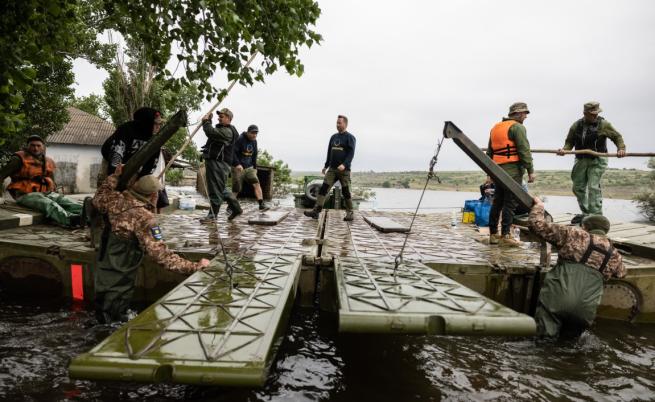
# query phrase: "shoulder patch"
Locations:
[[155, 231]]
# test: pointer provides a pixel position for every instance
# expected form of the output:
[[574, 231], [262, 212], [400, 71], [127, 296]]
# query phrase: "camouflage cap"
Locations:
[[592, 107], [596, 224], [518, 107], [226, 112], [147, 185]]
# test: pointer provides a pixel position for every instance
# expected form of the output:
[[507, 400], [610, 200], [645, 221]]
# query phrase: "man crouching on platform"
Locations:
[[130, 230], [572, 290]]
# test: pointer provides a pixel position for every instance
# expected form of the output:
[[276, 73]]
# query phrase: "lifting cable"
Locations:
[[433, 162]]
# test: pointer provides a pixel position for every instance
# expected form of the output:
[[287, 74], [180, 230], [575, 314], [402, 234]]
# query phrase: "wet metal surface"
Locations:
[[212, 328]]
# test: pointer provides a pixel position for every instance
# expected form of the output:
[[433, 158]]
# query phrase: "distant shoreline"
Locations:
[[617, 183]]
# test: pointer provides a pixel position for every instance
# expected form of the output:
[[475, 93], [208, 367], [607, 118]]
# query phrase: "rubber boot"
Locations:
[[314, 213], [235, 207], [349, 210], [262, 206]]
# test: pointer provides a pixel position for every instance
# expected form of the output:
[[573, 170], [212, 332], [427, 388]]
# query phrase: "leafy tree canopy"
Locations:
[[203, 36], [93, 104]]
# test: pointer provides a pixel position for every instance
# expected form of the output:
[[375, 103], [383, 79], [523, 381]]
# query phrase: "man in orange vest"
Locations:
[[509, 148], [33, 186]]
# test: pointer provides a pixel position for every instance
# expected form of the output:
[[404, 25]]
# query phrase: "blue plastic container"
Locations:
[[482, 214], [470, 205]]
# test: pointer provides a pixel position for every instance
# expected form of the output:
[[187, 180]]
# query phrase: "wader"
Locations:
[[117, 264], [53, 205], [217, 173], [568, 300], [586, 176]]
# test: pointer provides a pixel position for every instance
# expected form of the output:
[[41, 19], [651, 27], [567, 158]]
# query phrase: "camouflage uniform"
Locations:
[[588, 170], [572, 290], [133, 230]]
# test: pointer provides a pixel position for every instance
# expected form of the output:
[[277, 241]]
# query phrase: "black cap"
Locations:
[[253, 128], [34, 137]]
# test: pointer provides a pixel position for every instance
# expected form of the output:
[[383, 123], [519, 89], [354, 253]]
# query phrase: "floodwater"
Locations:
[[441, 201], [613, 362]]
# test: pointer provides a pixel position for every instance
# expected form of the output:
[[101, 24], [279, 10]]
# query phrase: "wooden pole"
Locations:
[[588, 152], [190, 137]]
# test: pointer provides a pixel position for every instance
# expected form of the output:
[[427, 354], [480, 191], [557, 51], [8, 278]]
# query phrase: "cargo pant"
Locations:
[[248, 175], [216, 173], [568, 300], [505, 202], [53, 205], [586, 176], [116, 267], [331, 177]]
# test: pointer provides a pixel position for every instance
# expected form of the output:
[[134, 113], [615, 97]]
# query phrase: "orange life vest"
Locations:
[[32, 177], [504, 149]]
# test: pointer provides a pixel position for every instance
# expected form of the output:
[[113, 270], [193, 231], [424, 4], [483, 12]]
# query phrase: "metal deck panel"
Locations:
[[268, 218], [385, 225], [417, 299]]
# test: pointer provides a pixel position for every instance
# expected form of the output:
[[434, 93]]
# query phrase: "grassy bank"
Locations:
[[617, 183]]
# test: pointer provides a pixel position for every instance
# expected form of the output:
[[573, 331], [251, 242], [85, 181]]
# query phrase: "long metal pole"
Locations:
[[190, 137]]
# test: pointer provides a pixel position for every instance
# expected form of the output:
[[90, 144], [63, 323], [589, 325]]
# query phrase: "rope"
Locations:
[[433, 162], [216, 105], [229, 268]]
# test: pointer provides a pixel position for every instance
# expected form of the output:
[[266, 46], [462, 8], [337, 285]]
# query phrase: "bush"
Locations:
[[174, 177], [646, 199], [386, 184]]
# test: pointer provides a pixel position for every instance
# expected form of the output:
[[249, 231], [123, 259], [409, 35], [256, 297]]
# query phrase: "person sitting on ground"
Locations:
[[244, 165], [130, 230], [572, 290], [487, 190], [33, 186]]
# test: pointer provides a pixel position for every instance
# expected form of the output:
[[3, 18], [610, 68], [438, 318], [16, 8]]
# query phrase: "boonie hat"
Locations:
[[592, 107], [226, 111], [147, 185], [518, 107], [596, 224], [253, 129]]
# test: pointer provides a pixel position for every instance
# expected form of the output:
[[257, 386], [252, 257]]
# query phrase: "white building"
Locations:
[[76, 151]]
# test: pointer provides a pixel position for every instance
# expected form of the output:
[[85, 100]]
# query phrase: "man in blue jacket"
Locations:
[[340, 153], [244, 164]]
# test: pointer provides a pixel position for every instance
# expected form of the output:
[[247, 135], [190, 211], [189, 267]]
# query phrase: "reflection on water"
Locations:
[[614, 361]]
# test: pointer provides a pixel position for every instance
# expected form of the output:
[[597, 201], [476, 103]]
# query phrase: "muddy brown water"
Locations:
[[613, 361]]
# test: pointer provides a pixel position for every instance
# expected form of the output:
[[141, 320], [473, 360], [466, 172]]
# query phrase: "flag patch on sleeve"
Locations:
[[155, 231]]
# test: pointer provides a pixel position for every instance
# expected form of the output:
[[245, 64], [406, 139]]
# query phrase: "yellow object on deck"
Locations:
[[468, 217]]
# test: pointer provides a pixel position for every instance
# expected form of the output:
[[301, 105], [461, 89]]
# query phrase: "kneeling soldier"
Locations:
[[572, 290], [130, 230]]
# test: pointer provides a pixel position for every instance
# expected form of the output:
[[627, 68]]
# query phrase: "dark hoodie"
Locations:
[[245, 152], [130, 137]]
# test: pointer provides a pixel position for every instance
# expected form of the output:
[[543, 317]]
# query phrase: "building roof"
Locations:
[[82, 129]]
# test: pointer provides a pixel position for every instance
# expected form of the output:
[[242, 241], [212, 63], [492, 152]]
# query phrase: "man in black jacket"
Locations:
[[244, 165], [340, 153], [218, 154]]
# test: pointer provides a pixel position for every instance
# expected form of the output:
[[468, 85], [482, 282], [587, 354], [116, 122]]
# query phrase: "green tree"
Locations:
[[281, 177], [646, 199], [44, 104], [203, 36], [386, 184], [37, 35], [93, 104]]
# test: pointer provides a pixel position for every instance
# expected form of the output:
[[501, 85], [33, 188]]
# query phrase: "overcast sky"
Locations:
[[398, 70]]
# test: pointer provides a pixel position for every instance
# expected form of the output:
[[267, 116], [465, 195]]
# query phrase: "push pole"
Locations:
[[190, 137]]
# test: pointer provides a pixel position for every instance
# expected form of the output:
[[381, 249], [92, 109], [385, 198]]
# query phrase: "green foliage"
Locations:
[[281, 177], [36, 35], [92, 104], [646, 199], [203, 36], [44, 104], [174, 177], [133, 85], [386, 184]]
